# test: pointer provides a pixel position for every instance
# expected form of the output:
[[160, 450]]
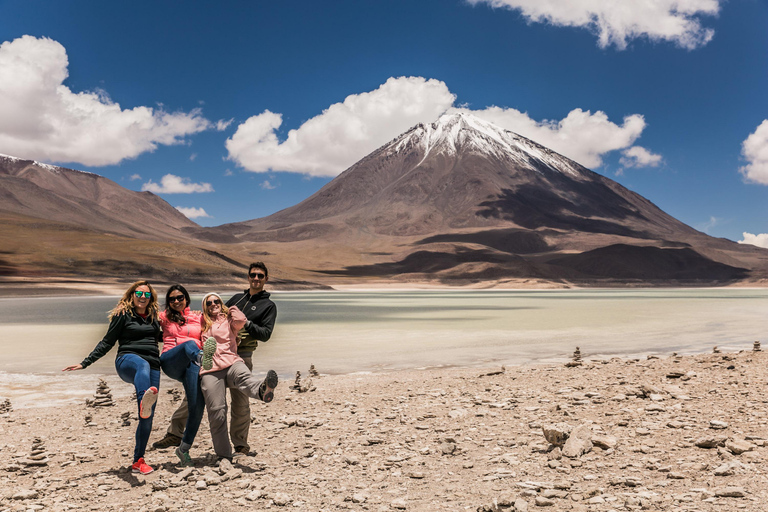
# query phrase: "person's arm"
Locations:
[[263, 330], [105, 345]]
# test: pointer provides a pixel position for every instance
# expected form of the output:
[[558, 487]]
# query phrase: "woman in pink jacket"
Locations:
[[183, 355], [227, 370]]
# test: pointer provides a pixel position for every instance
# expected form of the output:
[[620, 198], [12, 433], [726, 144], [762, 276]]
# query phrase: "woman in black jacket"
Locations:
[[133, 325]]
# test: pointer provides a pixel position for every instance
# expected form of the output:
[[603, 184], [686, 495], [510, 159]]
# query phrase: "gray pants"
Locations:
[[214, 386], [240, 420]]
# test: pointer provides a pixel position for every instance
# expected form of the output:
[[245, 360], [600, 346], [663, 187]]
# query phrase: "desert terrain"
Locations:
[[682, 433]]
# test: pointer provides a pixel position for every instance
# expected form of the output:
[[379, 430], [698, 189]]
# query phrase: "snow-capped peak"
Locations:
[[461, 131]]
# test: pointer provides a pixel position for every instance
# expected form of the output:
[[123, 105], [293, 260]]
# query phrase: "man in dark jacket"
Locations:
[[261, 313]]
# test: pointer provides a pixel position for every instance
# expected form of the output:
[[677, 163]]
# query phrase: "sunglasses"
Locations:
[[176, 298], [254, 275], [210, 303], [140, 294]]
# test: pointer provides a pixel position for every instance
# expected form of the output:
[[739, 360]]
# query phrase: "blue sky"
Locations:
[[237, 109]]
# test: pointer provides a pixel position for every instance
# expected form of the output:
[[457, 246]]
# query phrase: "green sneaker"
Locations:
[[184, 458], [209, 349]]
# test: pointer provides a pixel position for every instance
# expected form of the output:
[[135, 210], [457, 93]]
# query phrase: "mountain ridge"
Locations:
[[458, 201]]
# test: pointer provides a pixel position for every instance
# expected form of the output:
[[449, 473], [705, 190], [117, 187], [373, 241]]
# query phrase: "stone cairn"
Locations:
[[5, 406], [88, 420], [715, 350], [313, 371], [37, 457], [575, 358], [103, 396], [755, 348], [307, 385], [126, 419], [297, 382]]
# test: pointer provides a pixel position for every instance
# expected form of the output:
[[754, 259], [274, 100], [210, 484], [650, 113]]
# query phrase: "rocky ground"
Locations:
[[675, 434]]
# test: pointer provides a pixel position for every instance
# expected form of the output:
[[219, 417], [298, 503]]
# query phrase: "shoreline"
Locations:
[[85, 286], [684, 433], [57, 290]]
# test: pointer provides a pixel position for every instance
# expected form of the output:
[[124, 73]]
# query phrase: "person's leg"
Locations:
[[135, 370], [214, 389], [239, 377], [241, 415], [175, 361], [180, 363], [196, 405]]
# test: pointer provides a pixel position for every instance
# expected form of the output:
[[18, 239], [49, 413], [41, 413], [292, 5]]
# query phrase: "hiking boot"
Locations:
[[241, 451], [147, 402], [267, 387], [141, 467], [168, 441], [184, 458], [209, 348]]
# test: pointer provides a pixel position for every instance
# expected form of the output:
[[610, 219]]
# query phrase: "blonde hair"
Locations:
[[207, 320], [125, 305]]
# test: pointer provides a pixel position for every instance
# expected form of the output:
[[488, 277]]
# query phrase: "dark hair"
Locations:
[[259, 265], [170, 313]]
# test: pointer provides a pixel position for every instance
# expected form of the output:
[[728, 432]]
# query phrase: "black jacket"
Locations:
[[261, 313], [134, 335]]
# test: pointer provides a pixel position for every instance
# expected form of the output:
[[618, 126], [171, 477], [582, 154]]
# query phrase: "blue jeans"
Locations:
[[135, 370], [179, 363]]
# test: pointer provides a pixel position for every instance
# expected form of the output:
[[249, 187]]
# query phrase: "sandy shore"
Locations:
[[675, 434]]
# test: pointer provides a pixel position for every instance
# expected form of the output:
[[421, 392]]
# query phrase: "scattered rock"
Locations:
[[579, 442]]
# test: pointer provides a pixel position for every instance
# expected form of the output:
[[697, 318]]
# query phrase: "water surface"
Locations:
[[347, 332]]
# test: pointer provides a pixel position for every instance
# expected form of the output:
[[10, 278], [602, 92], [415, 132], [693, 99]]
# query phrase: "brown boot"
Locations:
[[168, 441]]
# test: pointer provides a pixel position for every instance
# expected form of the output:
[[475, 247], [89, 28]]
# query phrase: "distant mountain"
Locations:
[[75, 228], [464, 200], [459, 201], [84, 199]]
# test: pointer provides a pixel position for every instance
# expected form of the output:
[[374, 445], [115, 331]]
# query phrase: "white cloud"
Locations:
[[266, 185], [135, 177], [345, 132], [760, 240], [755, 150], [192, 157], [42, 119], [222, 125], [616, 22], [638, 156], [172, 184], [192, 213], [229, 172]]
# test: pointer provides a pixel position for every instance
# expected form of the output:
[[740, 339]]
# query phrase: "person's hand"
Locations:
[[72, 368]]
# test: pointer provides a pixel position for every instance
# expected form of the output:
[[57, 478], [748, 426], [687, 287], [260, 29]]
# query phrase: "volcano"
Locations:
[[462, 200]]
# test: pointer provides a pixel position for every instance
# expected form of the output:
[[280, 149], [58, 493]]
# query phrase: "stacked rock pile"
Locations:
[[297, 383], [307, 385], [312, 371], [756, 347], [126, 418], [575, 358], [37, 456], [5, 406], [103, 396], [175, 394]]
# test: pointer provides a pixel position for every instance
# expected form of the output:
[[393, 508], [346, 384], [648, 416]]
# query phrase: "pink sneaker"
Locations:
[[141, 467], [147, 401]]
